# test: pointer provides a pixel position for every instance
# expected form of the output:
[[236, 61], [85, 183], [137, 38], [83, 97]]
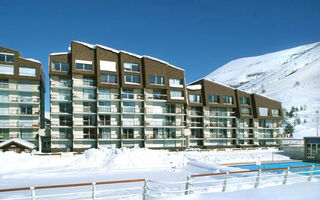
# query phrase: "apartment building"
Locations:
[[22, 88], [220, 116], [104, 97]]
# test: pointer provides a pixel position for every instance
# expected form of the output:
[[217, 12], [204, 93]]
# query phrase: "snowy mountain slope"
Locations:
[[291, 76]]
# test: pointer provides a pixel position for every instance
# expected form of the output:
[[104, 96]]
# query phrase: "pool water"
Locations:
[[282, 165]]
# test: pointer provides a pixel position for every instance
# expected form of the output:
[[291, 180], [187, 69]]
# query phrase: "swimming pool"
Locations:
[[281, 165]]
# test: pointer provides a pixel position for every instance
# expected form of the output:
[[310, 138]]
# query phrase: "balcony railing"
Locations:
[[131, 123], [157, 97], [163, 123], [128, 109], [219, 114], [195, 124], [61, 85], [102, 96], [18, 123], [108, 123], [61, 123], [219, 124], [246, 135], [195, 113], [132, 96], [107, 109], [164, 111], [61, 97], [23, 87]]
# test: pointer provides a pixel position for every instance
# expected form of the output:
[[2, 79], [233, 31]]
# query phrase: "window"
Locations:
[[89, 120], [196, 133], [65, 82], [108, 78], [171, 108], [194, 98], [157, 80], [108, 66], [245, 111], [213, 98], [135, 79], [127, 94], [83, 65], [25, 97], [89, 107], [275, 112], [6, 69], [89, 94], [60, 66], [26, 133], [4, 133], [27, 71], [88, 81], [89, 133], [104, 94], [7, 57], [175, 94], [227, 100], [170, 120], [104, 120], [25, 122], [4, 109], [105, 133], [175, 82], [129, 107], [244, 100], [4, 96], [4, 121], [26, 109], [4, 83], [263, 112], [104, 106], [128, 133], [65, 133], [131, 67], [64, 95], [65, 107], [65, 120]]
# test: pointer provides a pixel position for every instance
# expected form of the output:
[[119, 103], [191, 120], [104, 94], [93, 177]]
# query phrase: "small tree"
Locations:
[[289, 128]]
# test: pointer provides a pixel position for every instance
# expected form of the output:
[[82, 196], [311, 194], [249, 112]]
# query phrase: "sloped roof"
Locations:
[[22, 142]]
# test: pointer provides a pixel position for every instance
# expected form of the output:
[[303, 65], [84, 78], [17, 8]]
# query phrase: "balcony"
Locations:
[[195, 113], [151, 110], [19, 87], [83, 123], [61, 124], [108, 123], [59, 85], [195, 124], [81, 97], [109, 97], [246, 136], [163, 123], [268, 136], [219, 114], [220, 125], [128, 123], [107, 109], [132, 110], [132, 97], [61, 97], [157, 97], [19, 124]]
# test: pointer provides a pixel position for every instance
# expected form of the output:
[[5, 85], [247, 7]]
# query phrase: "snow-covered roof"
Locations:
[[31, 59], [19, 141], [93, 46], [58, 53], [194, 87], [266, 97]]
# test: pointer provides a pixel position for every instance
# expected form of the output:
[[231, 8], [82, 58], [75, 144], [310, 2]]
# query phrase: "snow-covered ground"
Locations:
[[25, 170], [290, 76]]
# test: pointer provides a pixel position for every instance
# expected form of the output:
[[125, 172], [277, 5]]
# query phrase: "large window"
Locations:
[[227, 100], [245, 111], [175, 82], [176, 94], [60, 66], [65, 107], [4, 83], [105, 133], [104, 94], [4, 121], [127, 133], [156, 80], [83, 65], [89, 133], [4, 109], [132, 79], [4, 133], [127, 94], [244, 100], [104, 106], [194, 98], [131, 67], [7, 57], [89, 120], [129, 107], [88, 81], [64, 82], [104, 120], [275, 112], [108, 78], [263, 112], [89, 94], [64, 95], [26, 133], [26, 109], [25, 97], [6, 69], [213, 98], [65, 133], [27, 71], [89, 107], [65, 120], [4, 96]]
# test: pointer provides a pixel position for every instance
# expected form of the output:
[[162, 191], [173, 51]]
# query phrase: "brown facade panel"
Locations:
[[195, 92], [126, 58], [84, 53], [264, 102], [63, 58], [240, 104]]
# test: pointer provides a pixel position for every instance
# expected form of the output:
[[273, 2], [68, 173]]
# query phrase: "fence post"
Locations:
[[311, 173], [187, 189], [145, 189], [93, 191], [224, 188], [258, 179], [285, 178], [33, 196]]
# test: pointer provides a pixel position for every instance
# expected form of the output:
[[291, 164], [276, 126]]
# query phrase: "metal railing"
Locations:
[[198, 183]]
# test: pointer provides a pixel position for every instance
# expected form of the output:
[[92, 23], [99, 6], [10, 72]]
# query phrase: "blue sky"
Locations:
[[198, 36]]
